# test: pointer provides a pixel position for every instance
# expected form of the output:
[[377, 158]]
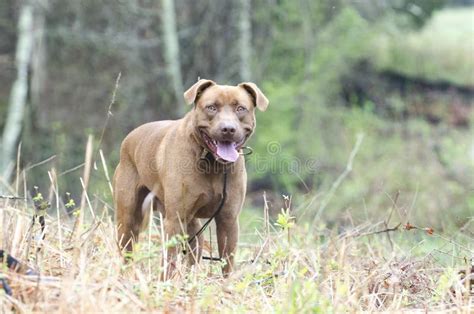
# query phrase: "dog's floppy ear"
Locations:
[[193, 93], [259, 99]]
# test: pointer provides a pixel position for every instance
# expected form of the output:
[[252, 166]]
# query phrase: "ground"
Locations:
[[284, 266]]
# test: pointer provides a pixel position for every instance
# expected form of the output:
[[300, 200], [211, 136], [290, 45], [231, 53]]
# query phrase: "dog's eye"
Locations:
[[241, 109], [211, 108]]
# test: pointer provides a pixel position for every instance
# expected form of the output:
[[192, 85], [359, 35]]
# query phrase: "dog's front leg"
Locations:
[[227, 237], [172, 228], [195, 245]]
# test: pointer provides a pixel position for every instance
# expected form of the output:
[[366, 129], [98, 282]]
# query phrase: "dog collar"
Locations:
[[205, 154]]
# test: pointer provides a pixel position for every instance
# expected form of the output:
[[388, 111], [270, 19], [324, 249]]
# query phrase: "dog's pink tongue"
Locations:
[[227, 151]]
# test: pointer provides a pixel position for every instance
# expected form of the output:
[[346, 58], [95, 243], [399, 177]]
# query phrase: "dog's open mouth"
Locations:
[[225, 150]]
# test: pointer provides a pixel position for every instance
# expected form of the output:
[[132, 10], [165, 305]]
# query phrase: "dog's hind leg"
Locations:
[[128, 199]]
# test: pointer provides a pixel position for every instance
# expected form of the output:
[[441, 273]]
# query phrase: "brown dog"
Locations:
[[163, 162]]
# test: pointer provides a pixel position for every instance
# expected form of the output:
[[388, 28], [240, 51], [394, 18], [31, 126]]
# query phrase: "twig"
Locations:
[[394, 204], [266, 216], [101, 138], [89, 233], [18, 158], [40, 163], [84, 186], [337, 183], [12, 197], [386, 222], [71, 169], [109, 114], [104, 165], [80, 215], [386, 230]]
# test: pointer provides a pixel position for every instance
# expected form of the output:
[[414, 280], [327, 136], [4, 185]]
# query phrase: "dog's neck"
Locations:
[[192, 135]]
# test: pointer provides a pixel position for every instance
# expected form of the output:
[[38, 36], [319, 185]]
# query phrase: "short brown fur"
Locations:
[[163, 157]]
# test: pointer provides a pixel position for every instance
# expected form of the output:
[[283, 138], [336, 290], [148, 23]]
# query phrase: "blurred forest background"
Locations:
[[400, 72]]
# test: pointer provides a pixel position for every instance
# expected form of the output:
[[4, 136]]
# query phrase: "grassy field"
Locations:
[[284, 266]]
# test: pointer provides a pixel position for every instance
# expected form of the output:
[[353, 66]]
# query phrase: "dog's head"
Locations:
[[224, 116]]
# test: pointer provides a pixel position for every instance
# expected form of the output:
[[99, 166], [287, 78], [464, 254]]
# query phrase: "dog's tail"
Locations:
[[147, 207], [150, 203]]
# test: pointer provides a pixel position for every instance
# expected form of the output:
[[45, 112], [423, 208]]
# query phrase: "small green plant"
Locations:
[[40, 204], [71, 205], [285, 221], [177, 240]]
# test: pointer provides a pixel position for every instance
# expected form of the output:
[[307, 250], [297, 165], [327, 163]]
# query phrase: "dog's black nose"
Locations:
[[227, 128]]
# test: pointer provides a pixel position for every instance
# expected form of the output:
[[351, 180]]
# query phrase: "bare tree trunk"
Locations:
[[39, 57], [19, 92], [245, 30], [171, 46]]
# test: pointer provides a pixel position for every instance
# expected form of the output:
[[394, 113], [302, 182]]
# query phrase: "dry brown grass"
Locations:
[[318, 271]]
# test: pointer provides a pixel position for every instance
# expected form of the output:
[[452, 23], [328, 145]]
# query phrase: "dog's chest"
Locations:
[[210, 198]]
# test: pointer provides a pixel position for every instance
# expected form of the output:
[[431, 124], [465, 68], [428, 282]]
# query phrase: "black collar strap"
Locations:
[[204, 226]]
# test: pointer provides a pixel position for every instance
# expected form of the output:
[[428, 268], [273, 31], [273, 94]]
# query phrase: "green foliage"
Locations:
[[178, 240], [441, 51], [284, 220], [41, 205], [308, 121], [274, 147], [302, 104]]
